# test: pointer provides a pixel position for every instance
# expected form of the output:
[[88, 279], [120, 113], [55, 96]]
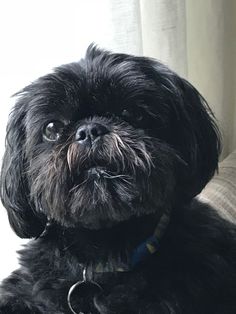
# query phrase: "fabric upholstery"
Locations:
[[220, 192]]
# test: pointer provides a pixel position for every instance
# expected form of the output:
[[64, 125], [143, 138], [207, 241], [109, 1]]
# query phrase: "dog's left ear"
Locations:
[[14, 189], [196, 136]]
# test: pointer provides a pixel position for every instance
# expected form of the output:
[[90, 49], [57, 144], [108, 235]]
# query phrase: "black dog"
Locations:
[[103, 160]]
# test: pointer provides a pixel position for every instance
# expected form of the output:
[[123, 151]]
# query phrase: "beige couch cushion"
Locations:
[[220, 192]]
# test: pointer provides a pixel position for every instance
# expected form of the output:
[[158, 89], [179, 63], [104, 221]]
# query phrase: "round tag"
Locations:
[[80, 296]]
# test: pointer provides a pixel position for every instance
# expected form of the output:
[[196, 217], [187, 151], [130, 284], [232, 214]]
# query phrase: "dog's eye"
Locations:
[[53, 131], [135, 115], [138, 117], [126, 114]]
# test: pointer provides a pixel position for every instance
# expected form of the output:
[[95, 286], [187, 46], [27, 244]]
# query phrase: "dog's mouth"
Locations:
[[94, 172]]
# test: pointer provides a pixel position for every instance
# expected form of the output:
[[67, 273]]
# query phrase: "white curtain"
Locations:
[[195, 38]]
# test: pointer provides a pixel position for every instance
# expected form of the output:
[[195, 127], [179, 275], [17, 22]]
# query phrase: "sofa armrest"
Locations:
[[220, 192]]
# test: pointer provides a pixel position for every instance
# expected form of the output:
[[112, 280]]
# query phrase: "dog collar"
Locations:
[[85, 286], [139, 255], [151, 245]]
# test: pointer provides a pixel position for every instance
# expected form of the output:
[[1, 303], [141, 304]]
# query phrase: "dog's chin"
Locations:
[[95, 222], [98, 220], [101, 199]]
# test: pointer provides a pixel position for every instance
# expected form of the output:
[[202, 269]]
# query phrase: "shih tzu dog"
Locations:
[[104, 158]]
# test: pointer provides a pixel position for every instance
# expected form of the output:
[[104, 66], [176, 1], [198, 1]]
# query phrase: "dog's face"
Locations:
[[102, 140]]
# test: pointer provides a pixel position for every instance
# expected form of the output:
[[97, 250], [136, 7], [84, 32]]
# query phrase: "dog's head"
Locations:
[[110, 137]]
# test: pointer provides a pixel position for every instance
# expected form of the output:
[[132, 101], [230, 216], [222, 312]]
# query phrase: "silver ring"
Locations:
[[74, 286]]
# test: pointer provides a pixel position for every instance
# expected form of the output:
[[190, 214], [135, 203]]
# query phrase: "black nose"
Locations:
[[88, 133]]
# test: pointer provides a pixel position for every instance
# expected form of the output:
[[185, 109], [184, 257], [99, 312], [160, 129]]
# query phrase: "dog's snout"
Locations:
[[88, 133]]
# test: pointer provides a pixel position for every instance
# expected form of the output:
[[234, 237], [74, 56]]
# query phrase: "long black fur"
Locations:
[[160, 149]]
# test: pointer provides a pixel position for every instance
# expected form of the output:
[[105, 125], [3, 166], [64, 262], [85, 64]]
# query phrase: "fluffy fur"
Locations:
[[130, 141]]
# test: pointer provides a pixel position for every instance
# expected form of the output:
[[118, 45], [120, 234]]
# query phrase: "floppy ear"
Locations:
[[14, 190], [197, 137]]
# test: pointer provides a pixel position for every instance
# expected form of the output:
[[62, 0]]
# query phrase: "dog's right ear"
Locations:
[[14, 189]]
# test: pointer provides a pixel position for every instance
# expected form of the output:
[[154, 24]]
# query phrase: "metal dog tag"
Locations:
[[83, 291]]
